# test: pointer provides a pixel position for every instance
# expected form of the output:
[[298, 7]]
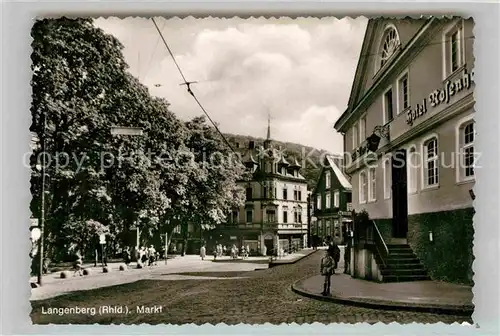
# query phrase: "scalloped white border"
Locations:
[[16, 74]]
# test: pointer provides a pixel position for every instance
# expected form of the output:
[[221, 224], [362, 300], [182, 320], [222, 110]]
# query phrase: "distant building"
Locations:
[[332, 203], [274, 216], [409, 136]]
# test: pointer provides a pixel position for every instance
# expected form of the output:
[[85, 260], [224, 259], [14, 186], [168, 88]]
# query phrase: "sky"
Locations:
[[298, 71]]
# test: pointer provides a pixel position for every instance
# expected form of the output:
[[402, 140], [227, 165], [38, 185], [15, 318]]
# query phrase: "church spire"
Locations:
[[268, 125]]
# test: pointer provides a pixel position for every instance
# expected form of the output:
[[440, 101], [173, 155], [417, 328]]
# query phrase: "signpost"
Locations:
[[102, 242]]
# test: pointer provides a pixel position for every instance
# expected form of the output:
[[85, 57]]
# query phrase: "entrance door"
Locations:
[[399, 195]]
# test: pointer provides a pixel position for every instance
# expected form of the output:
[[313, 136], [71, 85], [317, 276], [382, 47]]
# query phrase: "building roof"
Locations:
[[340, 175]]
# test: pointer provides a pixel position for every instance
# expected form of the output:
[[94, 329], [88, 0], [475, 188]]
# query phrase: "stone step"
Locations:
[[404, 271], [403, 278], [414, 265], [401, 260], [401, 254]]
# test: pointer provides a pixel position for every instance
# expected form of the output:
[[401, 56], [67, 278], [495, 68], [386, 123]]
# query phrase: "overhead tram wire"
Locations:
[[196, 99]]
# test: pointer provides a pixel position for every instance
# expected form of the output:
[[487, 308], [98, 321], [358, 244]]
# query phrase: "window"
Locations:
[[249, 194], [387, 179], [283, 171], [328, 180], [412, 170], [390, 44], [271, 216], [388, 110], [431, 169], [328, 201], [372, 184], [318, 202], [234, 216], [295, 195], [348, 197], [251, 145], [404, 94], [453, 49], [299, 192], [297, 215], [265, 192], [363, 185], [285, 215], [362, 129], [466, 151], [285, 193], [249, 216], [354, 137], [336, 199]]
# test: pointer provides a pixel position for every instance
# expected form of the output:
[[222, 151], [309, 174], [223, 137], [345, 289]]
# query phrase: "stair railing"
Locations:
[[380, 244]]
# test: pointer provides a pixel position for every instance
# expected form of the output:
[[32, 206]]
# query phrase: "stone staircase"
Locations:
[[401, 265]]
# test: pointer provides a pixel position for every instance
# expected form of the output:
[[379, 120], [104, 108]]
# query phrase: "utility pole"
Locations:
[[308, 220]]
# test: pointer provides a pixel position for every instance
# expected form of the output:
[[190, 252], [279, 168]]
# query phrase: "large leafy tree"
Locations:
[[81, 88], [77, 71]]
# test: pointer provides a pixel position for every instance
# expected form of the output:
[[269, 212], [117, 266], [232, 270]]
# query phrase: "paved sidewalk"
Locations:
[[291, 258], [428, 296], [53, 285]]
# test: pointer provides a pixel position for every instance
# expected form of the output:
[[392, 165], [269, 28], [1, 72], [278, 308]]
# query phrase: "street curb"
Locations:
[[289, 262], [459, 310]]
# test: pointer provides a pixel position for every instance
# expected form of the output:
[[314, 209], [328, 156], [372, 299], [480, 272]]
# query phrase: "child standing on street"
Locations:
[[327, 269]]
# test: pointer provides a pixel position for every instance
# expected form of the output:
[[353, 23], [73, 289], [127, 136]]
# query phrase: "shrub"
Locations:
[[106, 269], [122, 268], [86, 271], [64, 274]]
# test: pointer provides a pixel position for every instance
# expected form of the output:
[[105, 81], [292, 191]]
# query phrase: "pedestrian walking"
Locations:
[[334, 251], [78, 264], [151, 255], [203, 252], [327, 269], [127, 256], [143, 256]]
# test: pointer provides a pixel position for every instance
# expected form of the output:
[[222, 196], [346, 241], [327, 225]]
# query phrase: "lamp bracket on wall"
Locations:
[[382, 131]]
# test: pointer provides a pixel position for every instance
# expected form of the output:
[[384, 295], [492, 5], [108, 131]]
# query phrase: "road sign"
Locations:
[[102, 239]]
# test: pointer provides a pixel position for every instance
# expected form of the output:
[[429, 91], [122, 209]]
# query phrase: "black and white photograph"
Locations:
[[252, 170]]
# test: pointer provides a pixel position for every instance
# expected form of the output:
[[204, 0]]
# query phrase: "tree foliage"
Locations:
[[81, 88]]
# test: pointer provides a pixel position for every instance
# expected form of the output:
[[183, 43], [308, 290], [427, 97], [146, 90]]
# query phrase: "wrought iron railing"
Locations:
[[369, 234], [380, 245]]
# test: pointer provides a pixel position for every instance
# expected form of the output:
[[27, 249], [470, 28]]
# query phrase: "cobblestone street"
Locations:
[[261, 296]]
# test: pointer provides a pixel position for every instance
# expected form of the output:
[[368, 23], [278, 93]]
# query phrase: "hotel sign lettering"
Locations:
[[441, 96]]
